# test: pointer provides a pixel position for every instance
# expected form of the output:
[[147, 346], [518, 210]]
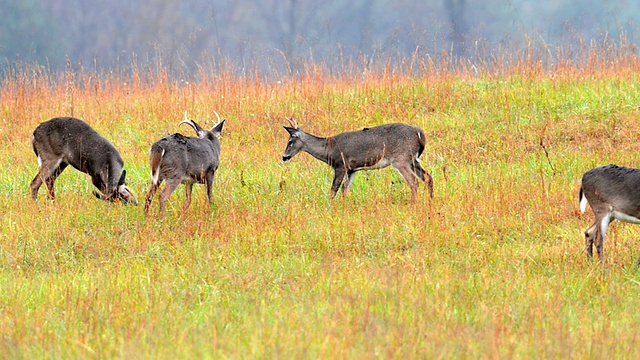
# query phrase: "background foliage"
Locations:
[[284, 35]]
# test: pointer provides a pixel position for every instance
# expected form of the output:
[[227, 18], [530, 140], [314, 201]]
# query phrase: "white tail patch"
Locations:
[[155, 173], [583, 203]]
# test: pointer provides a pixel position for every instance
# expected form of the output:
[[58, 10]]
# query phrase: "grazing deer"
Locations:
[[613, 192], [61, 142], [180, 159], [398, 145]]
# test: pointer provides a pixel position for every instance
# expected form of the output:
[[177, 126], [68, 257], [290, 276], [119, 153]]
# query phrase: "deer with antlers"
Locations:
[[180, 159], [398, 145]]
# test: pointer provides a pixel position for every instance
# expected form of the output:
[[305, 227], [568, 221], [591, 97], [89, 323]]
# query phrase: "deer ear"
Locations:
[[217, 130], [122, 177], [292, 131], [199, 131]]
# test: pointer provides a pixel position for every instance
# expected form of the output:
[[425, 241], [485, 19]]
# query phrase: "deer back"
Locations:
[[185, 156], [191, 159], [369, 145]]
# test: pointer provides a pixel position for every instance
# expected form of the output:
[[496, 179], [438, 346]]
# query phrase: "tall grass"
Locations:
[[493, 266]]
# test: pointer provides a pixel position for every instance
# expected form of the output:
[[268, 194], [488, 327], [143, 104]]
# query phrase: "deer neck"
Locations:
[[316, 147]]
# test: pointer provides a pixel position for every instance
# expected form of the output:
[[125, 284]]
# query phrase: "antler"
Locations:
[[293, 123], [217, 115], [186, 120], [200, 131]]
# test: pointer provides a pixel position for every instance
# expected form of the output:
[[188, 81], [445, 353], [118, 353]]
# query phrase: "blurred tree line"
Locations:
[[184, 35]]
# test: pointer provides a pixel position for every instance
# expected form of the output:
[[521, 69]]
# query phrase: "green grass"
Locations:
[[492, 267]]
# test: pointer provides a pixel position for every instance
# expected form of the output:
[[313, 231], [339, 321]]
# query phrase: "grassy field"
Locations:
[[492, 267]]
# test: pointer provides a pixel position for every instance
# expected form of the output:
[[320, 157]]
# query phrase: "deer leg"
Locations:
[[50, 180], [101, 182], [152, 191], [417, 170], [170, 186], [338, 178], [208, 184], [589, 236], [410, 178], [422, 175], [348, 180], [47, 168], [429, 184], [37, 182], [187, 190], [600, 235]]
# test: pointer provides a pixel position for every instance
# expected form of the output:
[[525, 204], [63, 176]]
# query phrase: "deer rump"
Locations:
[[612, 190], [179, 156]]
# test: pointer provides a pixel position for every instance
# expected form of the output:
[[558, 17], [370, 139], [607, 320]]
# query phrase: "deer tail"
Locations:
[[583, 201], [422, 141], [33, 145], [155, 160]]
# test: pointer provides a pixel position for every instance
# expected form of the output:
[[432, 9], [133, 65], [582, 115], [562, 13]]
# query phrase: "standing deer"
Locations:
[[613, 192], [61, 142], [180, 159], [398, 145]]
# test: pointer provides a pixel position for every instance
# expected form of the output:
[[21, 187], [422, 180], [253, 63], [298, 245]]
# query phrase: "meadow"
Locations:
[[492, 267]]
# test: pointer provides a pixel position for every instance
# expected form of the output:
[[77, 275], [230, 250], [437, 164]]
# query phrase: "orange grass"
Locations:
[[491, 267]]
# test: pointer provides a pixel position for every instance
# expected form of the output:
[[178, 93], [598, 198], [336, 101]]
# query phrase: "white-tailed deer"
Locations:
[[398, 145], [61, 142], [613, 192], [181, 159]]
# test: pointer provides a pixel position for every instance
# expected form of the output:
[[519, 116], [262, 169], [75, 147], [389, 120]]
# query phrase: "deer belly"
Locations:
[[384, 162], [187, 179], [624, 217], [193, 178]]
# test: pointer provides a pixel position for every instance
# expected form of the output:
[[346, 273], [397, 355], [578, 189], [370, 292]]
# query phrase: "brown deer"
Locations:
[[60, 142], [181, 159], [398, 145], [613, 192]]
